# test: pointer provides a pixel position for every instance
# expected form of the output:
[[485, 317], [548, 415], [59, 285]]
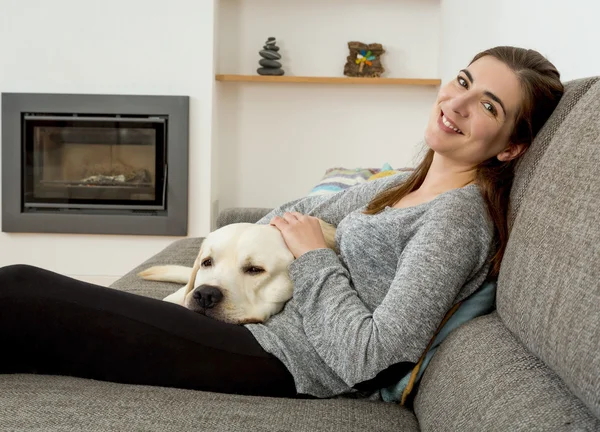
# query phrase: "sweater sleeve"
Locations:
[[332, 208], [443, 254]]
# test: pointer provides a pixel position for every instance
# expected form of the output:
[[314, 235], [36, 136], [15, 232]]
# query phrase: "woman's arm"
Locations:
[[332, 208], [356, 343]]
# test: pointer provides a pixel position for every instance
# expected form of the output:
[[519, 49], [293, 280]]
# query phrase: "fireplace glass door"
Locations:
[[94, 162]]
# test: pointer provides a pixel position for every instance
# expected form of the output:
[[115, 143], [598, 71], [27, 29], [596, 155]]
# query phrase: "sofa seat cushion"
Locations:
[[482, 378], [52, 403]]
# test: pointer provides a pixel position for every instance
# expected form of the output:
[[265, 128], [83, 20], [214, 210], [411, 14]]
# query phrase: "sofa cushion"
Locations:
[[526, 166], [549, 283], [52, 403], [483, 379]]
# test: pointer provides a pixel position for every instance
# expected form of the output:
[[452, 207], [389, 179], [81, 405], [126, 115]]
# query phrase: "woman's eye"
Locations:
[[462, 82], [254, 270], [491, 108], [206, 262]]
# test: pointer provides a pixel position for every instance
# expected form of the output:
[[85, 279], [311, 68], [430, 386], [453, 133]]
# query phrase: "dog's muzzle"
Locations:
[[207, 296]]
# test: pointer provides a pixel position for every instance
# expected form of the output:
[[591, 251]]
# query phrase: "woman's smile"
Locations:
[[447, 125]]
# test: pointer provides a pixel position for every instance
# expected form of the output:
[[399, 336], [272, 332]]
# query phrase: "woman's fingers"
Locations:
[[291, 216], [287, 218], [276, 221]]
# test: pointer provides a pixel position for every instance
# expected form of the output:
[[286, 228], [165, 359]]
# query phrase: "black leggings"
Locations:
[[53, 324]]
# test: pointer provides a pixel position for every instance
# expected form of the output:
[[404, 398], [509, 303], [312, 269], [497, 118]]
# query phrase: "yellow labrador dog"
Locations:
[[240, 274]]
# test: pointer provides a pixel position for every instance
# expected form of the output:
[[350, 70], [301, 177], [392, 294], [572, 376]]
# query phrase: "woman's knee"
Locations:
[[18, 273]]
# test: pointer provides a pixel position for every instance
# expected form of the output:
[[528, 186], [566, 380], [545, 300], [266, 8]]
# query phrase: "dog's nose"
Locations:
[[208, 296]]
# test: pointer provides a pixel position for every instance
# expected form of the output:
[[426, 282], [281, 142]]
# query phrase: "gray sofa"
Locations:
[[533, 364]]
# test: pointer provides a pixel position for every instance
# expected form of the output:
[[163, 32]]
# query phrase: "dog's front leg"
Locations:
[[178, 297]]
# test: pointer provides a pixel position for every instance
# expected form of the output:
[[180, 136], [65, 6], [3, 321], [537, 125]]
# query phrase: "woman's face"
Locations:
[[474, 114]]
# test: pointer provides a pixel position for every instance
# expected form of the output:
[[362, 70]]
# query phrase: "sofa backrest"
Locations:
[[534, 364], [549, 285], [527, 165]]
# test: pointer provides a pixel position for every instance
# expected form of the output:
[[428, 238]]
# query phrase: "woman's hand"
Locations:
[[301, 233]]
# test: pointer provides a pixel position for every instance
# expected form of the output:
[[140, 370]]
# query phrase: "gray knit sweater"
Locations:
[[381, 299]]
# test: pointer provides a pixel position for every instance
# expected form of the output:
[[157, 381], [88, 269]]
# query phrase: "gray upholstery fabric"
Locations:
[[246, 214], [483, 379], [49, 404], [549, 285], [527, 165]]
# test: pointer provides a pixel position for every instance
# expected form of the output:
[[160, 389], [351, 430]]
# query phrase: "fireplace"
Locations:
[[95, 164], [83, 162]]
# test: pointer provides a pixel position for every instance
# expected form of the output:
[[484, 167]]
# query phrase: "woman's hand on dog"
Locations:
[[301, 233]]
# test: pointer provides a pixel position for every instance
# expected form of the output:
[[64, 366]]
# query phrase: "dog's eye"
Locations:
[[207, 262], [254, 270]]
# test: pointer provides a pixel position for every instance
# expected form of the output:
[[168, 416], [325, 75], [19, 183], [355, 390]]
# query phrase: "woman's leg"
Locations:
[[53, 324]]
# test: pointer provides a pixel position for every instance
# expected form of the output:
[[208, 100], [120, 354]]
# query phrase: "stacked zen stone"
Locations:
[[269, 60]]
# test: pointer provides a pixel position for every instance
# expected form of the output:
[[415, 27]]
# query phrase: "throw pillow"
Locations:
[[481, 302], [338, 179]]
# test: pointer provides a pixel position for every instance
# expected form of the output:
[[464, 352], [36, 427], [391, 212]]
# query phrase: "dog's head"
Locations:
[[241, 274]]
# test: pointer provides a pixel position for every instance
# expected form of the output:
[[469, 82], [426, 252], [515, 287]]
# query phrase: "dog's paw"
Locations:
[[154, 273], [167, 273]]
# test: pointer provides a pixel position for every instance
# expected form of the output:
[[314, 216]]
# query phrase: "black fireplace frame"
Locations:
[[171, 221]]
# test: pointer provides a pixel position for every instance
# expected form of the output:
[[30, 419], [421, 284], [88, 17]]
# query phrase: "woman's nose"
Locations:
[[460, 105]]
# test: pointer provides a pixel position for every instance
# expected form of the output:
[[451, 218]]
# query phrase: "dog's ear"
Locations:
[[190, 285], [328, 234]]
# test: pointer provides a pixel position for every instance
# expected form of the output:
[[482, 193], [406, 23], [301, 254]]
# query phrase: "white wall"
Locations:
[[113, 46], [275, 141], [565, 32]]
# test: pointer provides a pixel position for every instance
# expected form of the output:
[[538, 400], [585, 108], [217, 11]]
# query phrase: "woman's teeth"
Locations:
[[448, 124]]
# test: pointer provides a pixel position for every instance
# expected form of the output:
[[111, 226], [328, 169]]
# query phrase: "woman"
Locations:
[[411, 246]]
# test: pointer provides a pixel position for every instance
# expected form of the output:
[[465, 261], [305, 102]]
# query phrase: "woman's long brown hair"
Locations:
[[542, 90]]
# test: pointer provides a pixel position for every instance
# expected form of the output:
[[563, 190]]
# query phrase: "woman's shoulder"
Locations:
[[467, 196], [465, 204]]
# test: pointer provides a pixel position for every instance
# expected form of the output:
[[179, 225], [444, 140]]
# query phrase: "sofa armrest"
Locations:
[[241, 214]]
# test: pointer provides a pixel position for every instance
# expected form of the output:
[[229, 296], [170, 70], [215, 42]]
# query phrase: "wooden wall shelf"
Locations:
[[328, 80]]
